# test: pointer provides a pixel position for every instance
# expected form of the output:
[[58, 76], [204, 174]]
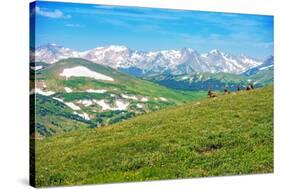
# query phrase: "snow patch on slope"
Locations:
[[144, 99], [85, 102], [266, 67], [36, 67], [81, 71], [83, 115], [163, 99], [44, 93], [58, 99], [72, 106], [96, 90], [67, 89], [119, 105], [132, 97]]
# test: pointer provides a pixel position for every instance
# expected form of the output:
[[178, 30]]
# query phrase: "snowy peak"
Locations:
[[268, 62], [223, 62], [52, 53], [266, 65], [113, 48], [117, 48], [214, 52], [171, 61], [188, 50], [113, 55]]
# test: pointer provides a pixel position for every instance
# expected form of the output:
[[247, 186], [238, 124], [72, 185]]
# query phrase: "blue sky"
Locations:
[[85, 26]]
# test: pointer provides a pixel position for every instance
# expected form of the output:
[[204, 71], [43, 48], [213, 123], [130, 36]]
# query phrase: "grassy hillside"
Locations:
[[228, 135], [217, 81], [135, 96], [264, 76], [53, 117], [123, 82]]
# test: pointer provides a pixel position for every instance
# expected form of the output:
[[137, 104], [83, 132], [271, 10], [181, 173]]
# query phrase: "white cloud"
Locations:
[[73, 25], [51, 14]]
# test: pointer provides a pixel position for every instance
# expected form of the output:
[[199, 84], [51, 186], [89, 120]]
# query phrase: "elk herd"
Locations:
[[226, 91]]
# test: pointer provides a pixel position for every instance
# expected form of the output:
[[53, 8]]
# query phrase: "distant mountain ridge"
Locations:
[[260, 76], [140, 63], [267, 64]]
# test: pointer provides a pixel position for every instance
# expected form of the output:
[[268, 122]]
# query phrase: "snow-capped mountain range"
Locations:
[[267, 64], [174, 62]]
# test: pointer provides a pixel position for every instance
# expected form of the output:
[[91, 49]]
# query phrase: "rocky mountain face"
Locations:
[[267, 64], [52, 53], [260, 76]]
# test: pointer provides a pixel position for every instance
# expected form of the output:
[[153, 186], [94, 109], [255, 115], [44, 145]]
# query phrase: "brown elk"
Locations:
[[226, 91], [238, 87], [250, 87], [211, 94]]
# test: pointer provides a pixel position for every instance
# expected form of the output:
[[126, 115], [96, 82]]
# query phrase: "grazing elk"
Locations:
[[252, 86], [249, 87], [211, 94], [238, 88], [226, 91]]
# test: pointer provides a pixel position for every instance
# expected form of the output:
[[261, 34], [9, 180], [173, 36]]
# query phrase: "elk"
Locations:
[[226, 91], [211, 94], [250, 87]]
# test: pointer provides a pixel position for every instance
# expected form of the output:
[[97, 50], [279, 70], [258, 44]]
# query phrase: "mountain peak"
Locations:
[[214, 51], [117, 47], [51, 45], [181, 61], [189, 50]]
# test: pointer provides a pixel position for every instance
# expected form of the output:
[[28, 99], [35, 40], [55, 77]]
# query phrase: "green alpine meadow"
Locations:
[[66, 104], [129, 94], [229, 135]]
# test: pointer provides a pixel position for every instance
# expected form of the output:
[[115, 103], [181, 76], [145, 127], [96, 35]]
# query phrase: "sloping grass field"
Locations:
[[54, 117], [228, 135], [122, 82]]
